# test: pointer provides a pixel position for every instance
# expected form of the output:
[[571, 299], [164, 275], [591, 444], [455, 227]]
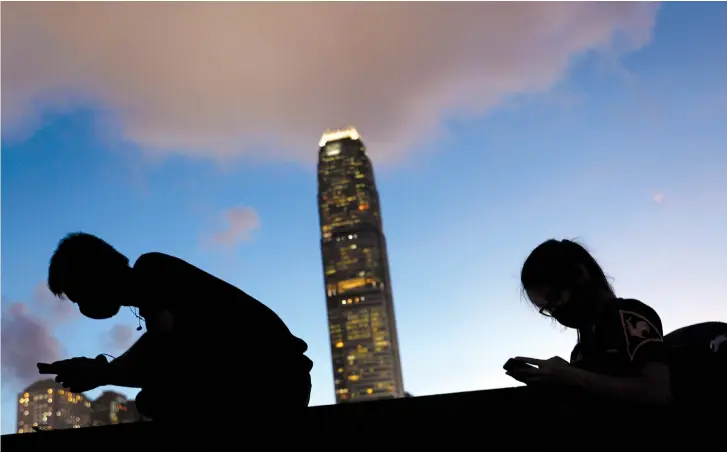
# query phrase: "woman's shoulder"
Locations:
[[630, 312], [633, 305]]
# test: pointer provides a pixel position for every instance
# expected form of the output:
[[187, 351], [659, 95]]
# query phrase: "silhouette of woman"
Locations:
[[620, 354]]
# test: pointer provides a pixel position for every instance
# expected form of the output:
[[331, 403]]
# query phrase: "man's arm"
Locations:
[[153, 272], [133, 368]]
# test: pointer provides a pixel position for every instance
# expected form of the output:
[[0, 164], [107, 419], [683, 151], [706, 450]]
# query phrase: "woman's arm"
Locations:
[[651, 386], [636, 332], [632, 339]]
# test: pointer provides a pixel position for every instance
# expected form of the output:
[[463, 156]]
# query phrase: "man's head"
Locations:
[[90, 273]]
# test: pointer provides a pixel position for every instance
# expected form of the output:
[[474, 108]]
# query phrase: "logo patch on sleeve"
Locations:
[[638, 330]]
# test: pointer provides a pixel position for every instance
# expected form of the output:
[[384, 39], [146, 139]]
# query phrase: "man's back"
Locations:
[[699, 362], [209, 311], [219, 334]]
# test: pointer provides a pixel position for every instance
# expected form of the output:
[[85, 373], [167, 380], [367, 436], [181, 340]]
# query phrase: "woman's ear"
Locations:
[[563, 297], [581, 275]]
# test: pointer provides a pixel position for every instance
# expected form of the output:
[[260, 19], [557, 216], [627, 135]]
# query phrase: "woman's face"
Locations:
[[547, 300], [570, 308]]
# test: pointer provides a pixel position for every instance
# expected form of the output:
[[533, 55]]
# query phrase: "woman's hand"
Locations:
[[555, 370]]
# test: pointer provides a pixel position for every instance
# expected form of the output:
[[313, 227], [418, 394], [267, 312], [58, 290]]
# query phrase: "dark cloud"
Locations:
[[26, 340], [218, 79], [241, 222]]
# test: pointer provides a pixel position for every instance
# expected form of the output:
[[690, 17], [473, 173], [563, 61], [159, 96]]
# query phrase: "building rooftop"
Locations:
[[42, 386], [339, 134]]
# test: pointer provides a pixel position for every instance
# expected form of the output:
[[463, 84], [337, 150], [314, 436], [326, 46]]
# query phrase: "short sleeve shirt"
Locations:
[[627, 336]]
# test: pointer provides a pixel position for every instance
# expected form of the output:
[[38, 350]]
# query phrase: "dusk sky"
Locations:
[[192, 129]]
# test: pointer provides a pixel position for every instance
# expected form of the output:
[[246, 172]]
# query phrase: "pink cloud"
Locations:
[[241, 222], [658, 197], [265, 79], [120, 338], [26, 340], [27, 333], [54, 310]]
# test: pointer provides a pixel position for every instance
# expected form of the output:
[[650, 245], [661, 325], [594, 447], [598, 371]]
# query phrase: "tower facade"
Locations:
[[362, 324]]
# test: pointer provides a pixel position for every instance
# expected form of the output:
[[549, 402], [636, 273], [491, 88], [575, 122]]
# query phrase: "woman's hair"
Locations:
[[559, 265]]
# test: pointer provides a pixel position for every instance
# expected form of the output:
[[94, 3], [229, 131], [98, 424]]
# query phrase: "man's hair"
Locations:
[[77, 254]]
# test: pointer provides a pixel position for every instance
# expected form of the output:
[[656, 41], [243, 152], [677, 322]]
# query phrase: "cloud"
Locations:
[[241, 222], [265, 79], [658, 197], [120, 338], [50, 308], [26, 340]]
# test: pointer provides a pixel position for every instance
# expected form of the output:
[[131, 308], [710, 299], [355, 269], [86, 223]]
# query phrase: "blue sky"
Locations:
[[626, 151]]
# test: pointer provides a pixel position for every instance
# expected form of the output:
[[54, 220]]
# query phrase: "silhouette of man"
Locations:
[[208, 345], [698, 361]]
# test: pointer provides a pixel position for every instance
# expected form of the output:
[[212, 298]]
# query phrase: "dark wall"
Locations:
[[462, 419]]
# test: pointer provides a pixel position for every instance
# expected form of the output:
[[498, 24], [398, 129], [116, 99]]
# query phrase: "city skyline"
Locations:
[[45, 403], [358, 289], [193, 131]]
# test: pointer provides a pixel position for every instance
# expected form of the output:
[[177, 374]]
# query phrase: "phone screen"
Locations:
[[45, 368], [513, 364]]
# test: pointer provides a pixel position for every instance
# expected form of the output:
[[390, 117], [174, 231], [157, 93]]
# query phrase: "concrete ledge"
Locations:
[[461, 418]]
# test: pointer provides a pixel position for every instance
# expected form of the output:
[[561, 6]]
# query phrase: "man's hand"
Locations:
[[555, 370], [78, 374]]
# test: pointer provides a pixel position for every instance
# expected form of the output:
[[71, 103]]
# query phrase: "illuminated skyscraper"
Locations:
[[361, 319], [46, 403]]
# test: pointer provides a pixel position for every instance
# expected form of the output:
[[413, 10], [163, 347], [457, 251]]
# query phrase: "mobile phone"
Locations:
[[45, 368], [513, 365]]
